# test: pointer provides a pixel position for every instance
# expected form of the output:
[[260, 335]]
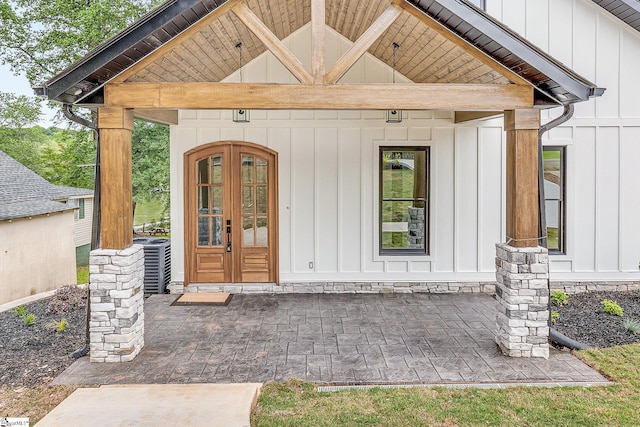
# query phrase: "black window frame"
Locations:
[[561, 200], [426, 251]]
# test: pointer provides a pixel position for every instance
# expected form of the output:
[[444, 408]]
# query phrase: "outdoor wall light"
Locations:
[[394, 116], [241, 116]]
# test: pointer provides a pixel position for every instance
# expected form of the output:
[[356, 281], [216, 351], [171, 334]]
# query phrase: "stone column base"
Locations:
[[522, 291], [116, 291]]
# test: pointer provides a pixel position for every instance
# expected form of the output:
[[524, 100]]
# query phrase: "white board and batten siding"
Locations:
[[603, 138], [328, 182]]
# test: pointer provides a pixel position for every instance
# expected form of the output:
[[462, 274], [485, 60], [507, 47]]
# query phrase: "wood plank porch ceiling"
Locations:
[[209, 54]]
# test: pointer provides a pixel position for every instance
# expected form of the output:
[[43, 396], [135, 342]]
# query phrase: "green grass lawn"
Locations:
[[82, 275], [148, 212], [297, 403]]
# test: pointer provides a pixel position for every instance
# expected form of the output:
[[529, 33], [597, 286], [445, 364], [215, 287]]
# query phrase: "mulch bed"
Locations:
[[584, 319], [34, 355]]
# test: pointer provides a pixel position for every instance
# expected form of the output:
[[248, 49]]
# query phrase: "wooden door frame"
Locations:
[[200, 152]]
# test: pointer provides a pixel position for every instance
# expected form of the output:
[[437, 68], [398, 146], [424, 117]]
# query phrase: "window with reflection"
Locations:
[[404, 204], [553, 160]]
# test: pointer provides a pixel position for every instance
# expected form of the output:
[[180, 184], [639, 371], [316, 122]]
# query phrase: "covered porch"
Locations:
[[329, 339], [184, 56]]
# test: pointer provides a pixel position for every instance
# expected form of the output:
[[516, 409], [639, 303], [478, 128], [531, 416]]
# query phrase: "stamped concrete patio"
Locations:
[[335, 339]]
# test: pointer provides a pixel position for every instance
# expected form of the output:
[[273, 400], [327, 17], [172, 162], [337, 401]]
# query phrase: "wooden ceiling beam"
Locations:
[[363, 43], [161, 117], [273, 43], [467, 116], [318, 28], [309, 96]]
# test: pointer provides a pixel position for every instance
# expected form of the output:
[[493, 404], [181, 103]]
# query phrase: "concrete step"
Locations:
[[154, 405]]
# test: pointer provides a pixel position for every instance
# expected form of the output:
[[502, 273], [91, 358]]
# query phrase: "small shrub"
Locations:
[[29, 319], [60, 326], [68, 298], [555, 316], [21, 311], [33, 291], [612, 307], [632, 325], [559, 298]]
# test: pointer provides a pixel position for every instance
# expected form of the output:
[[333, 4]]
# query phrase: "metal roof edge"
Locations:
[[115, 46], [519, 46]]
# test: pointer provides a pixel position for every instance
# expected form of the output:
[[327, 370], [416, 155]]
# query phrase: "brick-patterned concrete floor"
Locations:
[[363, 339]]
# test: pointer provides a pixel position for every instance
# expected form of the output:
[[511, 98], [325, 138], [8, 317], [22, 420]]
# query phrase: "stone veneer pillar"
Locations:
[[522, 291], [116, 291]]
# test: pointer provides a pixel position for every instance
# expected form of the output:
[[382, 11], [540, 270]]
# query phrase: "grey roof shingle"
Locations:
[[24, 193], [625, 10]]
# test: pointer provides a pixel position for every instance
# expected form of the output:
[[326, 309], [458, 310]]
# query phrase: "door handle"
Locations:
[[228, 235]]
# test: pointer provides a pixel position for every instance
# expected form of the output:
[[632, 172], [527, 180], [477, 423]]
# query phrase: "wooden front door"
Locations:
[[231, 213]]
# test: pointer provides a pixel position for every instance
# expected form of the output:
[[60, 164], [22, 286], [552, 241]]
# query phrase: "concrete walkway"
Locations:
[[330, 339], [216, 405]]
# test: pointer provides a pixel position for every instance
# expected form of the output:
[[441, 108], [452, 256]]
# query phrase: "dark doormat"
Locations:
[[203, 298]]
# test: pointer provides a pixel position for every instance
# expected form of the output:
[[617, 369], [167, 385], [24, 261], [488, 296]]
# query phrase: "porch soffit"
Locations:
[[195, 43], [426, 54]]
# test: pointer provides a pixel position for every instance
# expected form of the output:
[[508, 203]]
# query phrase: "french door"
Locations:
[[231, 213]]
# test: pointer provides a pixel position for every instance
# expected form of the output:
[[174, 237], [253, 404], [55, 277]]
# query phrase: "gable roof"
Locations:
[[24, 193], [625, 10], [83, 81]]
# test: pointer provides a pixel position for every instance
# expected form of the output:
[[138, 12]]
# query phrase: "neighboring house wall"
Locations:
[[602, 140], [82, 229], [36, 255]]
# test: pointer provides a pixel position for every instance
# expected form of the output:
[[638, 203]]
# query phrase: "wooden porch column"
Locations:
[[115, 126], [522, 176]]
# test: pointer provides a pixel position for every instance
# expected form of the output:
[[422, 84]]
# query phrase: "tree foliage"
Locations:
[[18, 111], [42, 37], [150, 150], [22, 143], [39, 38], [70, 159]]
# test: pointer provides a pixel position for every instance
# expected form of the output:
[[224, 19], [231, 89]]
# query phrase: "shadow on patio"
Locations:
[[338, 339]]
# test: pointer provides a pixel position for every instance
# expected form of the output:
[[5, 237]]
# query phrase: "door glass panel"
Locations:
[[261, 170], [261, 199], [247, 169], [247, 231], [203, 171], [216, 169], [203, 200], [216, 206], [247, 199], [203, 231], [217, 231], [262, 231]]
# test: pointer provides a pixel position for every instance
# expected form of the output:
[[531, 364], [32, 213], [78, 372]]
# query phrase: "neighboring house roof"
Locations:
[[83, 81], [24, 193], [626, 10]]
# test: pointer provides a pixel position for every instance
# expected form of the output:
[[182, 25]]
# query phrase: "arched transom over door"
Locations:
[[231, 216]]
